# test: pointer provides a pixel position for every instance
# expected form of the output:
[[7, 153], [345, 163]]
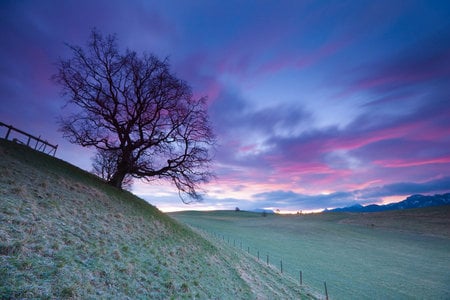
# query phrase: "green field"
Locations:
[[391, 255], [65, 234]]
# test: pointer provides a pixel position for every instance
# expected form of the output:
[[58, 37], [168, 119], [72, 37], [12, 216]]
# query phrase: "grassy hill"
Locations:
[[66, 234]]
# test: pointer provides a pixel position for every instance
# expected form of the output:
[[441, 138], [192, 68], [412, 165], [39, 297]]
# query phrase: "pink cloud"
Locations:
[[395, 163], [355, 140]]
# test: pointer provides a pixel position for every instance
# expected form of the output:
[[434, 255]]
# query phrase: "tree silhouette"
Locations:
[[104, 165], [134, 110]]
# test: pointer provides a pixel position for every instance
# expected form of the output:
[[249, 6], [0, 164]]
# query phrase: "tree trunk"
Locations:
[[117, 179], [123, 166]]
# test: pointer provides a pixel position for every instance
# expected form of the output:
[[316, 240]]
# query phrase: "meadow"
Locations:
[[391, 255], [65, 234]]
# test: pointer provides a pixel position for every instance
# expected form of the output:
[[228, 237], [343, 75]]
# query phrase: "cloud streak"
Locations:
[[291, 201], [314, 105]]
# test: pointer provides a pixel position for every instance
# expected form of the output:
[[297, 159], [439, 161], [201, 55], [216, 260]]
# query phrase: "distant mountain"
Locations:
[[414, 201]]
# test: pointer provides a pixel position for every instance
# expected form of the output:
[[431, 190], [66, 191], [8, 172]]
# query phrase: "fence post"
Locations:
[[248, 249], [8, 132], [301, 278], [326, 291], [258, 255], [267, 259], [281, 266]]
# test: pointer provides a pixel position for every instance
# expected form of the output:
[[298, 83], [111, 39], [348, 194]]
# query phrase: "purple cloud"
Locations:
[[305, 97]]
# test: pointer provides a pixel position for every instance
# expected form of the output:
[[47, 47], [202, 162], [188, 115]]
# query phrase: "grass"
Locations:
[[390, 255], [65, 234]]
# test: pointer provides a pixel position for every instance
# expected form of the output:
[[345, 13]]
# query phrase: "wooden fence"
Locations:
[[31, 141]]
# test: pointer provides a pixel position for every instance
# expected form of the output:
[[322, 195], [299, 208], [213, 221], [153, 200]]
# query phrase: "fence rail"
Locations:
[[39, 144]]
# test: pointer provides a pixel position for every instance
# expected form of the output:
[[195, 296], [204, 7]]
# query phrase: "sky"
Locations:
[[315, 104]]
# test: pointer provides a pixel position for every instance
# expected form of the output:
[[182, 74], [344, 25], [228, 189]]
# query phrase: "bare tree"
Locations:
[[104, 165], [133, 107]]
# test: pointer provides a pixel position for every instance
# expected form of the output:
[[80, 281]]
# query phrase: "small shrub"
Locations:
[[19, 191], [116, 254], [38, 248], [12, 249], [24, 265], [60, 260], [67, 240], [169, 285], [67, 292], [185, 287], [55, 246], [130, 269], [43, 184]]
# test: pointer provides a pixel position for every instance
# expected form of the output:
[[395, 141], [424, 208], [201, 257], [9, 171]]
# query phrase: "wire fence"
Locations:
[[273, 260]]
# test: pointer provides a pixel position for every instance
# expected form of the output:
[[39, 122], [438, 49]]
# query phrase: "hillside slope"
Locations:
[[66, 234]]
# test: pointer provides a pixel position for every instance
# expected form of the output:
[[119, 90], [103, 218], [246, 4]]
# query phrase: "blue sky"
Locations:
[[316, 104]]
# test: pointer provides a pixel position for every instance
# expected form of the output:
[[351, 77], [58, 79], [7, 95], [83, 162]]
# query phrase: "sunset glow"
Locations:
[[315, 104]]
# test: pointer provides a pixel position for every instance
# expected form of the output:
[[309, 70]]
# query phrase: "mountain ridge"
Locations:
[[413, 201]]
